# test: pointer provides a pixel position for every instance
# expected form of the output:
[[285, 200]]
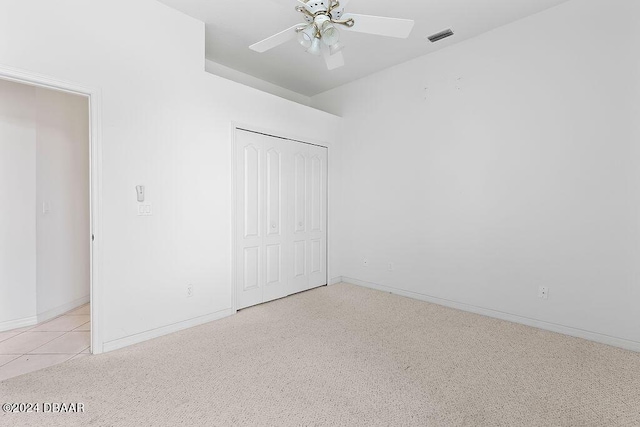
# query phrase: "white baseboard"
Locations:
[[57, 311], [335, 280], [42, 317], [18, 323], [165, 330], [553, 327]]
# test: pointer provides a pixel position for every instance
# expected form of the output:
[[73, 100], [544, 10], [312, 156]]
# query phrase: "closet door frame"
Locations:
[[235, 127]]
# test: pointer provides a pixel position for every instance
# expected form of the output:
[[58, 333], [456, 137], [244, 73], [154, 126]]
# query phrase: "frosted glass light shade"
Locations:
[[306, 36], [330, 34], [315, 47], [304, 40]]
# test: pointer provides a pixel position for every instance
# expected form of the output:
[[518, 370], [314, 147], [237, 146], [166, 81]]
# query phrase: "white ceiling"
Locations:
[[233, 25]]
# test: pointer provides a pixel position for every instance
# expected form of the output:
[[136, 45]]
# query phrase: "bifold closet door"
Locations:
[[281, 206], [261, 199], [308, 210]]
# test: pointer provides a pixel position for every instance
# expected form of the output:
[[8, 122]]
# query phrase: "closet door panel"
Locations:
[[315, 182], [300, 259], [276, 198], [316, 256], [274, 192], [249, 201], [251, 194], [298, 235], [274, 264], [251, 271], [317, 237], [300, 192]]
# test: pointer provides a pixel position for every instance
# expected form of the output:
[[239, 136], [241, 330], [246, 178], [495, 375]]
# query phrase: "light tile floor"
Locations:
[[36, 347]]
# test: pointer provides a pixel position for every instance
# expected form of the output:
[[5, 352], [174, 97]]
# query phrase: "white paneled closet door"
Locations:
[[281, 205], [308, 231], [261, 200]]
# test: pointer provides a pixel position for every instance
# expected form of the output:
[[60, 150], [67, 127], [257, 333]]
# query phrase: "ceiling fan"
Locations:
[[319, 35]]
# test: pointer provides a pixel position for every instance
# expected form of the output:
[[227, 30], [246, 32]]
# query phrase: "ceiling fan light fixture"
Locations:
[[330, 34], [315, 48], [306, 36], [319, 34]]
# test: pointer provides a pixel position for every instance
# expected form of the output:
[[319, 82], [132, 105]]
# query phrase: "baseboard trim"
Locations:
[[335, 280], [553, 327], [165, 330], [57, 311], [18, 323]]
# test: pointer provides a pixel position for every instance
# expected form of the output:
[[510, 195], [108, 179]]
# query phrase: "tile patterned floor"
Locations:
[[36, 347]]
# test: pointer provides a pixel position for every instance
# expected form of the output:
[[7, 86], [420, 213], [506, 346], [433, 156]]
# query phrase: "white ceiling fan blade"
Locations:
[[276, 40], [333, 61], [390, 27]]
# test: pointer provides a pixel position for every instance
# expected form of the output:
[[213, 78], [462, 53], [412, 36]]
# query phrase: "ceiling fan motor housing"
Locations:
[[318, 7], [315, 6]]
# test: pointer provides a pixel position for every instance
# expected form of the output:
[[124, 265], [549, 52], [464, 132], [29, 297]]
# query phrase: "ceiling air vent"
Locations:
[[441, 35]]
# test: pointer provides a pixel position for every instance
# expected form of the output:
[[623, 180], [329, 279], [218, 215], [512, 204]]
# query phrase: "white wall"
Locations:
[[62, 182], [502, 164], [254, 82], [165, 124], [17, 201]]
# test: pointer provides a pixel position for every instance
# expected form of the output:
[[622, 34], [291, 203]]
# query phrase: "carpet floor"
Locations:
[[343, 356]]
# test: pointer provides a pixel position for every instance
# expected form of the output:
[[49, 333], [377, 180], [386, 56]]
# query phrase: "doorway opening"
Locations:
[[46, 226]]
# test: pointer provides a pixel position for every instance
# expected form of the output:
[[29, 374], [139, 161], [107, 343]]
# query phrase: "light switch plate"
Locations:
[[145, 209]]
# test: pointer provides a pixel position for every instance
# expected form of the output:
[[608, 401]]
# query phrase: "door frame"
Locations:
[[235, 126], [94, 97]]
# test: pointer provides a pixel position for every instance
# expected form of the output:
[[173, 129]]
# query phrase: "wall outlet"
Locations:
[[365, 262], [391, 267], [189, 291], [543, 292]]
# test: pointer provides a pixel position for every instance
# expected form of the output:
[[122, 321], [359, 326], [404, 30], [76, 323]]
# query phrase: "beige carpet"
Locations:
[[344, 356]]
